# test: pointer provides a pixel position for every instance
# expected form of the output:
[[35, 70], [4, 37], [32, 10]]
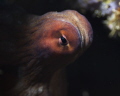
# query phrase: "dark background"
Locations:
[[97, 70]]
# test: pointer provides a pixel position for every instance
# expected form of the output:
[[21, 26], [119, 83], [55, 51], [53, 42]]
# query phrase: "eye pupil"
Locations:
[[64, 41]]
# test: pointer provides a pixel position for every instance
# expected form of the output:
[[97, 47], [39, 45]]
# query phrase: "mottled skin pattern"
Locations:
[[34, 45]]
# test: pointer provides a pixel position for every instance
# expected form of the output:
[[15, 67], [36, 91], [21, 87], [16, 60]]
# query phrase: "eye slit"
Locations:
[[63, 40]]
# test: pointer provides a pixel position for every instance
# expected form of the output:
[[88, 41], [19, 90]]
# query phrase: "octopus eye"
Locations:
[[63, 40]]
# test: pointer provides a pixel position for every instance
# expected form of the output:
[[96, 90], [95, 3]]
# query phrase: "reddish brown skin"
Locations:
[[33, 45]]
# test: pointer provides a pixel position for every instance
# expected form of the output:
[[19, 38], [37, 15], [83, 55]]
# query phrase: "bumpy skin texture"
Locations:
[[41, 47]]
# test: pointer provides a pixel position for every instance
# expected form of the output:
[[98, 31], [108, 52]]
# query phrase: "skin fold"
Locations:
[[38, 48]]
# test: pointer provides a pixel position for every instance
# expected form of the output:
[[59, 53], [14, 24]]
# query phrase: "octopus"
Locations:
[[36, 50]]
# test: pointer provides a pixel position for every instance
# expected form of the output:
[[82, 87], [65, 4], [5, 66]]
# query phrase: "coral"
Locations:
[[113, 23], [108, 8]]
